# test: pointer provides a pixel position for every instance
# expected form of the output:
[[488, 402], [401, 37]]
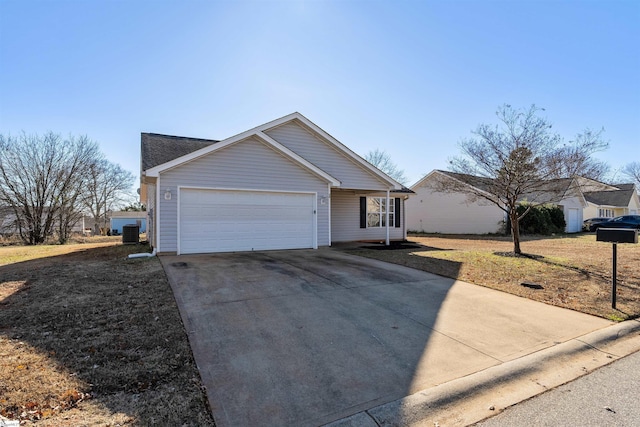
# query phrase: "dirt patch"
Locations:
[[89, 337], [571, 271]]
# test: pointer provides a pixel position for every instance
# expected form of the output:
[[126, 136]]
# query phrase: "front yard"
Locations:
[[572, 271], [88, 337]]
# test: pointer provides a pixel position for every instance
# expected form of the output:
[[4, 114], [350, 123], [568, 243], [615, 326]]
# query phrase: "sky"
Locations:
[[412, 78]]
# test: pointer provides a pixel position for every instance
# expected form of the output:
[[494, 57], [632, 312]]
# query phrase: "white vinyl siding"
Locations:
[[327, 157], [345, 220], [451, 213], [249, 165], [233, 220]]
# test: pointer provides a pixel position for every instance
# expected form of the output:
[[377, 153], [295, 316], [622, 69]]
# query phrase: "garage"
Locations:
[[574, 225], [239, 220]]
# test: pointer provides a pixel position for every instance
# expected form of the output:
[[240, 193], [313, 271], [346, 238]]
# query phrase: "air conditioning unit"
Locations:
[[130, 234]]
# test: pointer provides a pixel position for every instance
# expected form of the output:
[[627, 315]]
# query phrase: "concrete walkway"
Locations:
[[314, 337]]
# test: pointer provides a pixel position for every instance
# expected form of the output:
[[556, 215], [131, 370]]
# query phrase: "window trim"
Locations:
[[380, 212]]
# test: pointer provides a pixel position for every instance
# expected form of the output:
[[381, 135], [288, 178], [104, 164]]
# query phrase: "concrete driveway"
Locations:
[[307, 337]]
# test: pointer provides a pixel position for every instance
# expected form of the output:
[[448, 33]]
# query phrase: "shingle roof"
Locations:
[[620, 197], [625, 186], [610, 198], [479, 182], [157, 149]]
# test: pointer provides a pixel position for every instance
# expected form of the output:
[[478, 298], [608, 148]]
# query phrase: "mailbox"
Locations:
[[617, 235]]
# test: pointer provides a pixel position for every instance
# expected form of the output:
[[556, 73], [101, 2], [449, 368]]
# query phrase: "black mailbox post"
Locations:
[[615, 236]]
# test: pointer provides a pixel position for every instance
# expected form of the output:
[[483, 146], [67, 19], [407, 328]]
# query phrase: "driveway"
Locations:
[[307, 337]]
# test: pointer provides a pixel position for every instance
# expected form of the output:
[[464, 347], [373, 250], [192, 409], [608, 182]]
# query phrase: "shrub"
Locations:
[[543, 219]]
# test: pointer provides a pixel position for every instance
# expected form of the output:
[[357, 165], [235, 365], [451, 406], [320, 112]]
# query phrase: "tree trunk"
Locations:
[[515, 231]]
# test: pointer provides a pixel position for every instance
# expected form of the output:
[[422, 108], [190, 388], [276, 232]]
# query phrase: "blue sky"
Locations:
[[409, 77]]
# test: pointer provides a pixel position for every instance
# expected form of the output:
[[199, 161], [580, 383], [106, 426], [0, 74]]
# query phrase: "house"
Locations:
[[431, 211], [434, 211], [618, 199], [286, 184], [122, 218]]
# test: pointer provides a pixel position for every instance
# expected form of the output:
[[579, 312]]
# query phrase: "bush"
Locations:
[[543, 219]]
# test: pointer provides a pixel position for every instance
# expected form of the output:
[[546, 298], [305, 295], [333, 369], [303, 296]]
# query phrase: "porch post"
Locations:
[[386, 219]]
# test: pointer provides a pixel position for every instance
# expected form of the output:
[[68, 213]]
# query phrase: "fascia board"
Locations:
[[301, 161], [575, 181], [355, 157], [464, 183], [156, 170], [418, 184]]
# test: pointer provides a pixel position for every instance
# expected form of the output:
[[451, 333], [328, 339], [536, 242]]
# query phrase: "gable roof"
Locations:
[[157, 149], [618, 195], [152, 168], [479, 182], [485, 184], [610, 198]]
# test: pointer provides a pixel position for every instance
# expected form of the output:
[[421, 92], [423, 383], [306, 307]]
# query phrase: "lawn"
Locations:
[[89, 337], [571, 271]]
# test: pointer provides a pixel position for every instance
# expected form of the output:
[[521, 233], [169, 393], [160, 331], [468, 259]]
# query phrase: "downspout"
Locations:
[[329, 211], [156, 216], [143, 254], [386, 218], [404, 217]]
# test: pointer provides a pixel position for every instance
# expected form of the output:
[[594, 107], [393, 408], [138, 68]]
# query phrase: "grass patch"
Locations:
[[89, 337], [568, 271]]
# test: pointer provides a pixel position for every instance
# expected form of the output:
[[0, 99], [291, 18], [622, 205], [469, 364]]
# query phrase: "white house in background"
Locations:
[[286, 184], [619, 199], [430, 211]]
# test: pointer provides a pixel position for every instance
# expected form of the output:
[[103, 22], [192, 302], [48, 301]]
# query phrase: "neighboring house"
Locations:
[[8, 222], [282, 185], [120, 219], [619, 199], [431, 211]]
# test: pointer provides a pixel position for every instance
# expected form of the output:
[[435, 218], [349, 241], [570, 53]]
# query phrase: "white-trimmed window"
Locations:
[[377, 210], [607, 213]]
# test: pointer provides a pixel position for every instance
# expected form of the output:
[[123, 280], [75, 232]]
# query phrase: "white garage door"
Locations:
[[574, 225], [228, 221]]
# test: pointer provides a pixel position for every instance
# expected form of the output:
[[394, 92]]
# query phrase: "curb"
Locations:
[[470, 399]]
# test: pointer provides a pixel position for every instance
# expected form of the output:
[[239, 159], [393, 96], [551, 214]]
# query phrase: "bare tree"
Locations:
[[519, 159], [576, 158], [382, 161], [108, 187], [40, 179], [632, 170]]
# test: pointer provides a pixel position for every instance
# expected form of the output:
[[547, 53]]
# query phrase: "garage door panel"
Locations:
[[224, 221]]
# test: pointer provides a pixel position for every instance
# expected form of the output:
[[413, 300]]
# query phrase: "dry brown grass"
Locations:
[[574, 271], [88, 337]]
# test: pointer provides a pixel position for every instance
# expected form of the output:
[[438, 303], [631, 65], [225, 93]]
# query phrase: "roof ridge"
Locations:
[[178, 136]]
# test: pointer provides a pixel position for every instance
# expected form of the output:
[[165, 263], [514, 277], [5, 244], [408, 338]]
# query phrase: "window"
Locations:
[[607, 213], [376, 212]]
